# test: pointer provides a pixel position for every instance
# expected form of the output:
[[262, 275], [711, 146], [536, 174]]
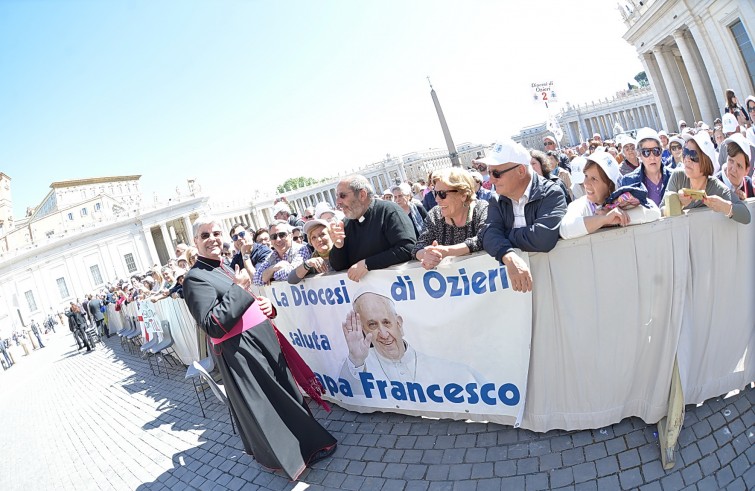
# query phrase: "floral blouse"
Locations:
[[436, 228]]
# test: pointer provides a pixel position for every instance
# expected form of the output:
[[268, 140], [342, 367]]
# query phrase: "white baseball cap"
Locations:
[[281, 207], [648, 134], [729, 123], [743, 143], [578, 169], [316, 222], [703, 141], [609, 165], [506, 151]]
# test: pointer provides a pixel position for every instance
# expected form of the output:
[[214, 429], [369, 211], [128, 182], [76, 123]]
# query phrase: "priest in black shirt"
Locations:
[[260, 369], [375, 234]]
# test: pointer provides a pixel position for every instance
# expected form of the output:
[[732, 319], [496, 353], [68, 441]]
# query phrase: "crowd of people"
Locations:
[[513, 198]]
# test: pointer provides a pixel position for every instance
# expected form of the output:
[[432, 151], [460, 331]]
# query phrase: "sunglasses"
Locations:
[[444, 194], [656, 151], [298, 238], [751, 109], [279, 235], [206, 235], [498, 173], [692, 154], [241, 234], [548, 144], [308, 217], [675, 148]]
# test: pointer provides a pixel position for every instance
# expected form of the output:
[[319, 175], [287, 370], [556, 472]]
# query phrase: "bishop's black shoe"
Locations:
[[323, 454]]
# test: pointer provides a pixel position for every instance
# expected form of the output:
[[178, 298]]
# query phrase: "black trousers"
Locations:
[[81, 338], [102, 328]]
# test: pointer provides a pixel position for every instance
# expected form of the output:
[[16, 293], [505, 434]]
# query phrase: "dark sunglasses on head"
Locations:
[[692, 154], [675, 148], [206, 235], [498, 173], [279, 235], [656, 151], [241, 234], [444, 194]]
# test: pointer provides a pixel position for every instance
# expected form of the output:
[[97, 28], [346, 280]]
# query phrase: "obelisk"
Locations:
[[446, 134]]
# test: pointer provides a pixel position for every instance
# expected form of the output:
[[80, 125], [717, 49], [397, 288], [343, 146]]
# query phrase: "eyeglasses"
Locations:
[[444, 194], [656, 151], [279, 235], [241, 235], [298, 238], [206, 235], [675, 148], [692, 154], [308, 217], [498, 173]]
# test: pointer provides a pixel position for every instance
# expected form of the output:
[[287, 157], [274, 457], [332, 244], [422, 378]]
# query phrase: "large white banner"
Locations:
[[452, 342]]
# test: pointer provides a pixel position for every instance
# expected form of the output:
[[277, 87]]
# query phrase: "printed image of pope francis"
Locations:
[[374, 334]]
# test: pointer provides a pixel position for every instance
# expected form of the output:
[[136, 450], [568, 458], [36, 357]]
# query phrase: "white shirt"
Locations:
[[519, 220]]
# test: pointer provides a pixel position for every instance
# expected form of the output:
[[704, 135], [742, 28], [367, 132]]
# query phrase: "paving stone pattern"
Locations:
[[103, 421]]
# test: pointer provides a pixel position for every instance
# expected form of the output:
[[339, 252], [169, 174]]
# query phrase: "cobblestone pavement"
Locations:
[[104, 421]]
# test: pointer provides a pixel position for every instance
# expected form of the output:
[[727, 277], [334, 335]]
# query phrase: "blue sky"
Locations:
[[242, 95]]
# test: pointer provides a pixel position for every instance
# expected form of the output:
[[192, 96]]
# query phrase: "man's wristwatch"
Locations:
[[246, 257]]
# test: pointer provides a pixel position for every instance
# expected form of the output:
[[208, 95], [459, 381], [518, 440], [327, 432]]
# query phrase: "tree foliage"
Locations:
[[296, 183], [642, 79]]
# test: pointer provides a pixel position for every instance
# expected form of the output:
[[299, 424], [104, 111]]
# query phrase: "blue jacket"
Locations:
[[543, 214], [638, 176]]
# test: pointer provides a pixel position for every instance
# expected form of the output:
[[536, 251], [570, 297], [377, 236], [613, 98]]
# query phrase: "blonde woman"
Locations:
[[451, 227]]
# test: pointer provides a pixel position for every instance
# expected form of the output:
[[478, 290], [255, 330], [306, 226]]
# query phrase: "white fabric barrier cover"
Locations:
[[607, 313], [717, 347], [467, 335], [182, 328]]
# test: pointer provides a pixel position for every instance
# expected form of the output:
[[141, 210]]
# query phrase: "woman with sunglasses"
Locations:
[[651, 172], [451, 227], [697, 175], [286, 255], [590, 213], [260, 368], [675, 146]]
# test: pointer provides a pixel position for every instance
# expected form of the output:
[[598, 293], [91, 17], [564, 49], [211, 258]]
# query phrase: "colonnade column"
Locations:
[[154, 258], [189, 230], [694, 72], [668, 77], [166, 239]]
